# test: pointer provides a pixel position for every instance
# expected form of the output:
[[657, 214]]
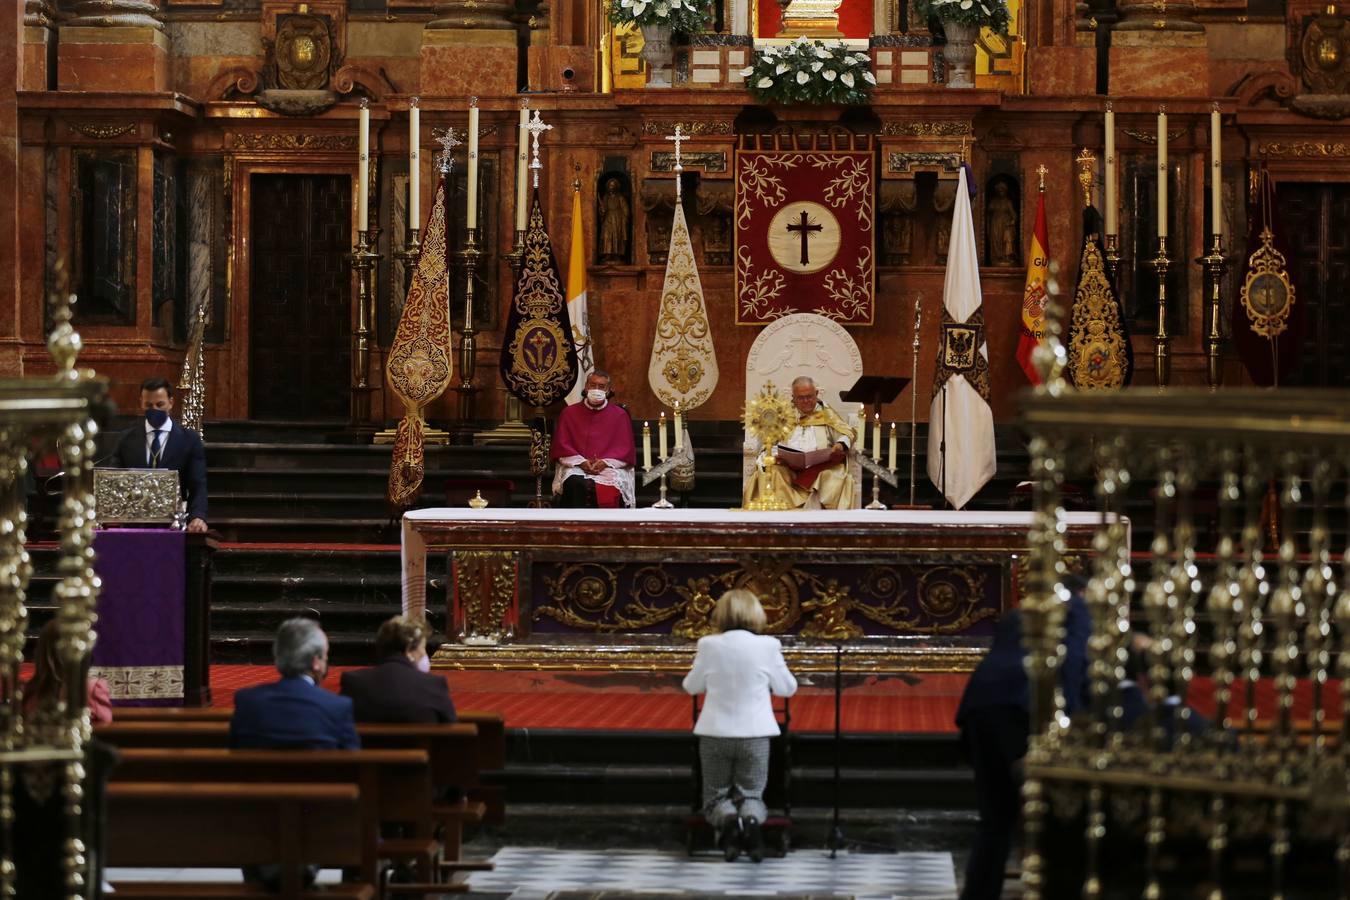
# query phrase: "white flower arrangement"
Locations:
[[683, 16], [983, 13], [809, 71]]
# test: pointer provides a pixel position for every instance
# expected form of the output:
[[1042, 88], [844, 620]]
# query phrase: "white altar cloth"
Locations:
[[414, 550]]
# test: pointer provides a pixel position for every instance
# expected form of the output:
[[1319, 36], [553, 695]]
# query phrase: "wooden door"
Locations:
[[1318, 220], [300, 297]]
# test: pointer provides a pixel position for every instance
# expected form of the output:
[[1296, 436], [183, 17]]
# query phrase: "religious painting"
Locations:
[[805, 234], [105, 236]]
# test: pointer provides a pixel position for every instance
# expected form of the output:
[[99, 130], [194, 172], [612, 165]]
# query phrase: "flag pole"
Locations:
[[914, 397]]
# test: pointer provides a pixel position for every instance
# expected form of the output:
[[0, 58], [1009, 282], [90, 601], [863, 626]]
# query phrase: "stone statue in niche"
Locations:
[[1000, 225], [614, 218], [943, 200]]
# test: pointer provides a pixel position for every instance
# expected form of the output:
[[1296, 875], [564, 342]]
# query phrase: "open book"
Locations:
[[802, 459]]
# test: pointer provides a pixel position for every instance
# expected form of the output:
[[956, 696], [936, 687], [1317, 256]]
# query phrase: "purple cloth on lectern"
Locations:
[[140, 646]]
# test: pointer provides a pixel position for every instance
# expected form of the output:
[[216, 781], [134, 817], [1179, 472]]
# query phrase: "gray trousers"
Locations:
[[735, 771]]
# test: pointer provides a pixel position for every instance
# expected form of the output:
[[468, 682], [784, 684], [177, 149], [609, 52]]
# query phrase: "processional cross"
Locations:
[[805, 227], [445, 160], [679, 137], [536, 128]]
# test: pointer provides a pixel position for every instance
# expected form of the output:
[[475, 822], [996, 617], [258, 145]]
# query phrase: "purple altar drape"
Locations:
[[140, 645]]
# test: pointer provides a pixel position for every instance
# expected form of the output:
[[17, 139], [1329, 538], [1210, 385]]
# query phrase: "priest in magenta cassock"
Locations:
[[594, 450]]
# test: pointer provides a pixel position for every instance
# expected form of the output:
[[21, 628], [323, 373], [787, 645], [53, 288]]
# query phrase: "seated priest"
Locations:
[[827, 484], [594, 450]]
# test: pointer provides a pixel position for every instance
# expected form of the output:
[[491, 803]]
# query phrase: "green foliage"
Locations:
[[683, 16], [985, 13], [807, 71]]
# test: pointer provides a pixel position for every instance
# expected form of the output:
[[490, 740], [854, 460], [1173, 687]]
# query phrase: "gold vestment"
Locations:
[[833, 485]]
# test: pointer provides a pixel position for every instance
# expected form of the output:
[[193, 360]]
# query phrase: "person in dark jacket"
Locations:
[[994, 718], [400, 687], [159, 442]]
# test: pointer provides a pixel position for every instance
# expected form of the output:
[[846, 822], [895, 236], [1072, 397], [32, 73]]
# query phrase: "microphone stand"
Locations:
[[836, 830], [942, 446]]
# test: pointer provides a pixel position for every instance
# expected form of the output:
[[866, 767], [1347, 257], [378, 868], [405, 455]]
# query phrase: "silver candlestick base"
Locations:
[[876, 494], [663, 503]]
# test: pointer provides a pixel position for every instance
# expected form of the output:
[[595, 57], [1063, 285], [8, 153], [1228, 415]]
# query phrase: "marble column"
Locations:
[[1058, 63], [11, 217], [39, 40], [469, 47], [113, 45], [1159, 50]]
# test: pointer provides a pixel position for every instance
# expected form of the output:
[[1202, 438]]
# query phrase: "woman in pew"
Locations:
[[739, 669], [400, 687], [48, 683]]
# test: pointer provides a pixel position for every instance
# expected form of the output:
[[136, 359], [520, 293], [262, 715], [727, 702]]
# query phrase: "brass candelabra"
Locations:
[[409, 255], [363, 259], [1162, 340], [468, 345], [1111, 250], [513, 429], [1216, 266]]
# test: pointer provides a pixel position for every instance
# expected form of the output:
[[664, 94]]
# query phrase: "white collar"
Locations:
[[594, 408], [168, 426]]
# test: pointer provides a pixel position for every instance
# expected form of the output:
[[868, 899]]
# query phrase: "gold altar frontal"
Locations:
[[632, 590]]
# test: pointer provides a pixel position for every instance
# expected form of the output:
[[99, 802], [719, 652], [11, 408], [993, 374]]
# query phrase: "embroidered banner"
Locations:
[[419, 366], [539, 359], [683, 365], [804, 233], [1100, 356]]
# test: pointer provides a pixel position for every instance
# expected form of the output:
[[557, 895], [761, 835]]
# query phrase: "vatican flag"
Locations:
[[576, 300], [961, 456], [683, 365]]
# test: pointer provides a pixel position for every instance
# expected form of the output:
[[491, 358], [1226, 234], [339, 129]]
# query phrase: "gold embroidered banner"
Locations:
[[804, 232], [1100, 356], [683, 366], [539, 359], [419, 366]]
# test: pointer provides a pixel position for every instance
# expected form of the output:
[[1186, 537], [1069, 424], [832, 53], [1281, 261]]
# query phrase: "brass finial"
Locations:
[[576, 175], [1040, 173], [477, 501], [1086, 164], [64, 343]]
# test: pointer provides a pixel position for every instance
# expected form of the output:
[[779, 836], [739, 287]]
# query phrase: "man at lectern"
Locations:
[[158, 442], [594, 450], [809, 469]]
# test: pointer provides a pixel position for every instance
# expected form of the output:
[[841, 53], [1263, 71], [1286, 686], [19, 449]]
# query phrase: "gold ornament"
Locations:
[[1267, 294]]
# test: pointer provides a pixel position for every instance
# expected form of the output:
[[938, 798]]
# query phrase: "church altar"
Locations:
[[900, 590]]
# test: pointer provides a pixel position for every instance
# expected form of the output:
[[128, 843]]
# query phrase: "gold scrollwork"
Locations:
[[135, 495], [696, 129], [1151, 137], [103, 131], [290, 141], [586, 596], [485, 584], [938, 128], [1267, 294], [707, 160], [698, 609], [830, 615], [905, 163]]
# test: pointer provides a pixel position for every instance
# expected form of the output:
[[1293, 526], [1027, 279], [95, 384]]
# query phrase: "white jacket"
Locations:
[[738, 670]]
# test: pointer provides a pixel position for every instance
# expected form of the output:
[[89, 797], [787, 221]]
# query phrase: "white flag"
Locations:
[[576, 302], [960, 417]]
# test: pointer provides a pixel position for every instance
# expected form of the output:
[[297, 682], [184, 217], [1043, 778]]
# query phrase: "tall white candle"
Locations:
[[414, 164], [473, 164], [679, 428], [363, 167], [890, 456], [661, 434], [646, 445], [1215, 171], [876, 438], [862, 429], [522, 167], [1112, 226], [1162, 172]]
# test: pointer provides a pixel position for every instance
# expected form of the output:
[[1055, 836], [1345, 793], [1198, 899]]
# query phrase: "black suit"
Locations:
[[394, 691], [182, 451]]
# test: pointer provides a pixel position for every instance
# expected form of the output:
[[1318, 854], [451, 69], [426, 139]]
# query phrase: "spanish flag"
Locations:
[[1033, 295]]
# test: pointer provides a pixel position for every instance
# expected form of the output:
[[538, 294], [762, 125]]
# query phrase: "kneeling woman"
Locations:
[[739, 669]]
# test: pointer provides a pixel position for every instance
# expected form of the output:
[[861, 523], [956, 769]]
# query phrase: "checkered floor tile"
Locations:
[[533, 873]]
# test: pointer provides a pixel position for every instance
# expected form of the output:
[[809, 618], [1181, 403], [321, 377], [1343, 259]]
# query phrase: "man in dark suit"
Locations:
[[160, 443], [399, 688], [295, 713]]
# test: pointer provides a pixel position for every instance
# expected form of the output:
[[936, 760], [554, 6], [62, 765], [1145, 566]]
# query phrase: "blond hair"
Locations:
[[739, 608]]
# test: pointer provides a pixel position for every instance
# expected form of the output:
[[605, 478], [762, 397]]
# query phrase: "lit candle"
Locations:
[[1162, 172], [876, 438], [646, 445], [1111, 211], [414, 164], [363, 166], [522, 166], [679, 428], [661, 434], [862, 429], [472, 215], [1215, 171], [890, 457]]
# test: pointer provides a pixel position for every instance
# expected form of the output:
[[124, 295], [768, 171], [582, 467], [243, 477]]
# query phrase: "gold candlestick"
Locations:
[[363, 260], [1111, 250], [409, 255], [512, 430], [468, 345], [1162, 340], [1216, 266]]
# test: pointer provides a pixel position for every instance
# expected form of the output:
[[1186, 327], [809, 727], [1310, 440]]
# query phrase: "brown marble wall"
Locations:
[[11, 211]]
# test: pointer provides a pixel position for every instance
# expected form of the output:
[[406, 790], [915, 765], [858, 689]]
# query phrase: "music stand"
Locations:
[[875, 390]]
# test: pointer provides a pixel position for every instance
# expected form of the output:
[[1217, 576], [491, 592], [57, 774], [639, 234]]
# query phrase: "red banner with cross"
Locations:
[[805, 228]]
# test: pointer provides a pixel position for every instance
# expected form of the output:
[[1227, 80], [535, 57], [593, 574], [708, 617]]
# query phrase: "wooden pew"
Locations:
[[161, 825], [395, 786], [451, 750]]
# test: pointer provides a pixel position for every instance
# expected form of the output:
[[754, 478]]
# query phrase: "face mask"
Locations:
[[595, 398], [424, 663], [156, 417]]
